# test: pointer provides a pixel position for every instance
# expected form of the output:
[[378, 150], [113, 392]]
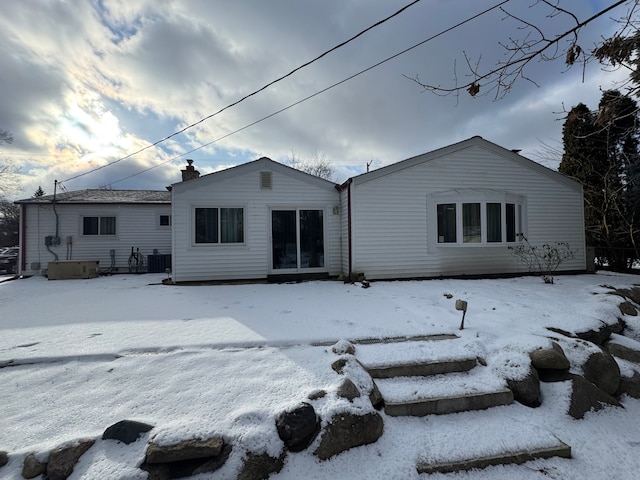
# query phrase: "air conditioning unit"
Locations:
[[69, 269]]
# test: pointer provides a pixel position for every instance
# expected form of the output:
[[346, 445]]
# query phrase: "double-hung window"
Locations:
[[98, 225], [477, 217], [219, 225]]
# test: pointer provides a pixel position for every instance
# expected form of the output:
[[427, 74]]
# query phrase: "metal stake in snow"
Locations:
[[462, 305]]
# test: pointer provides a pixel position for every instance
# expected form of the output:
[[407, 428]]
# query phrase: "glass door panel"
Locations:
[[285, 239], [311, 239]]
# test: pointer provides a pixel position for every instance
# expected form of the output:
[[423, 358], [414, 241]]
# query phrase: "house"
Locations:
[[455, 211], [255, 221], [93, 225]]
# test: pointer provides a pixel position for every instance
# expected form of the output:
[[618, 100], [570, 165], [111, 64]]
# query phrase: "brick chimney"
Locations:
[[189, 173]]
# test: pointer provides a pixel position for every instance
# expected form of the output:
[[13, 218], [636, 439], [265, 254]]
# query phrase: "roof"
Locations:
[[100, 196], [263, 163], [476, 141]]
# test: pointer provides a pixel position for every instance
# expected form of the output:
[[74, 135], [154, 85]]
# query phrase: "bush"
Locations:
[[544, 260]]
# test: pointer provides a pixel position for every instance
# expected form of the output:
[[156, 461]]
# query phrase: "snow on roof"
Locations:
[[104, 196]]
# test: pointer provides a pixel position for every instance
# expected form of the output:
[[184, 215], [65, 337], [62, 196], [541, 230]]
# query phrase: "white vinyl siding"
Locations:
[[241, 186], [136, 226], [396, 232]]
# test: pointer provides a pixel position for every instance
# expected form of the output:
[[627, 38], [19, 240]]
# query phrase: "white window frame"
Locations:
[[219, 243], [99, 234], [482, 197], [159, 222]]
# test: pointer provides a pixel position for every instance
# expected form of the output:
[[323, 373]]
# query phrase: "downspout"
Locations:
[[349, 228], [55, 188]]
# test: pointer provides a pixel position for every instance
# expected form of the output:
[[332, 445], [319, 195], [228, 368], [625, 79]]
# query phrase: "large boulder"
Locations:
[[628, 308], [550, 358], [347, 389], [527, 389], [187, 467], [585, 396], [602, 335], [602, 370], [298, 427], [126, 431], [32, 467], [186, 450], [623, 351], [630, 385], [63, 459], [260, 466], [349, 430], [4, 458]]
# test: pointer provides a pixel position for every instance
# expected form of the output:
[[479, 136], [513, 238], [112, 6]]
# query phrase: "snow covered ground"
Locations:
[[80, 355]]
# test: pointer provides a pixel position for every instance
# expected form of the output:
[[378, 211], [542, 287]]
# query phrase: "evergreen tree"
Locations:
[[601, 152], [39, 192]]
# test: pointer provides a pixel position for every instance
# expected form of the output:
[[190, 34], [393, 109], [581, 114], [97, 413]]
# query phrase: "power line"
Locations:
[[351, 77], [340, 45]]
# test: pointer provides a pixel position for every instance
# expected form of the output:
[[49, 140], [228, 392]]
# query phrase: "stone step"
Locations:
[[418, 358], [477, 389], [562, 450], [488, 440]]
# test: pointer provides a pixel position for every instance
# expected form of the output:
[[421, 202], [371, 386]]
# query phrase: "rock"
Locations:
[[297, 428], [632, 294], [375, 397], [63, 459], [186, 468], [187, 450], [585, 396], [4, 458], [630, 385], [623, 352], [527, 390], [627, 308], [347, 389], [338, 365], [260, 467], [31, 467], [600, 336], [348, 430], [126, 431], [550, 358], [343, 347], [602, 370], [317, 394]]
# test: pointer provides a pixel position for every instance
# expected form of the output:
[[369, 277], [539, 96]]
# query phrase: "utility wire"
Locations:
[[351, 77], [340, 45]]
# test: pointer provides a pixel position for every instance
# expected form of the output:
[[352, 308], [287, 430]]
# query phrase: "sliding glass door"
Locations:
[[297, 238]]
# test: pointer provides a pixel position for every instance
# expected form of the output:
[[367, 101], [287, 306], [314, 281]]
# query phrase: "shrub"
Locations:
[[544, 260]]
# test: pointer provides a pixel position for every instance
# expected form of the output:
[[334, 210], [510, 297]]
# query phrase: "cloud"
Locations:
[[91, 82]]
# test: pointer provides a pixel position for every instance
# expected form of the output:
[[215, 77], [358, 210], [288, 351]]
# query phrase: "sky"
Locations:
[[90, 82], [146, 353]]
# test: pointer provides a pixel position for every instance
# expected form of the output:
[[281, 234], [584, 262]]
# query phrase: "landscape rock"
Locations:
[[298, 427], [627, 308], [63, 459], [550, 358], [527, 390], [347, 389], [602, 370], [622, 351], [585, 396], [31, 467], [317, 394], [126, 431], [187, 450], [602, 335], [4, 458], [338, 365], [349, 430], [375, 397], [630, 385], [186, 468], [632, 294], [343, 347], [260, 466]]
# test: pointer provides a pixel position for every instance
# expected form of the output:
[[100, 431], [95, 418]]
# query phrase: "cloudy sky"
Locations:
[[89, 82]]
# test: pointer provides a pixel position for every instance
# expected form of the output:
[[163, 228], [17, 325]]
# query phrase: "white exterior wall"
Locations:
[[240, 187], [137, 225], [394, 221]]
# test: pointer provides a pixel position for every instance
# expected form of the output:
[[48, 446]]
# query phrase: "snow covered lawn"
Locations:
[[80, 355]]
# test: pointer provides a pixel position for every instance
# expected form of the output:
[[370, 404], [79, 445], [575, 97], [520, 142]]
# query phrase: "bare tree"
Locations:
[[317, 165], [535, 44], [8, 171]]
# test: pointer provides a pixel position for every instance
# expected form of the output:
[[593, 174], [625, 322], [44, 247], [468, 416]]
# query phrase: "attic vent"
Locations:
[[265, 181]]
